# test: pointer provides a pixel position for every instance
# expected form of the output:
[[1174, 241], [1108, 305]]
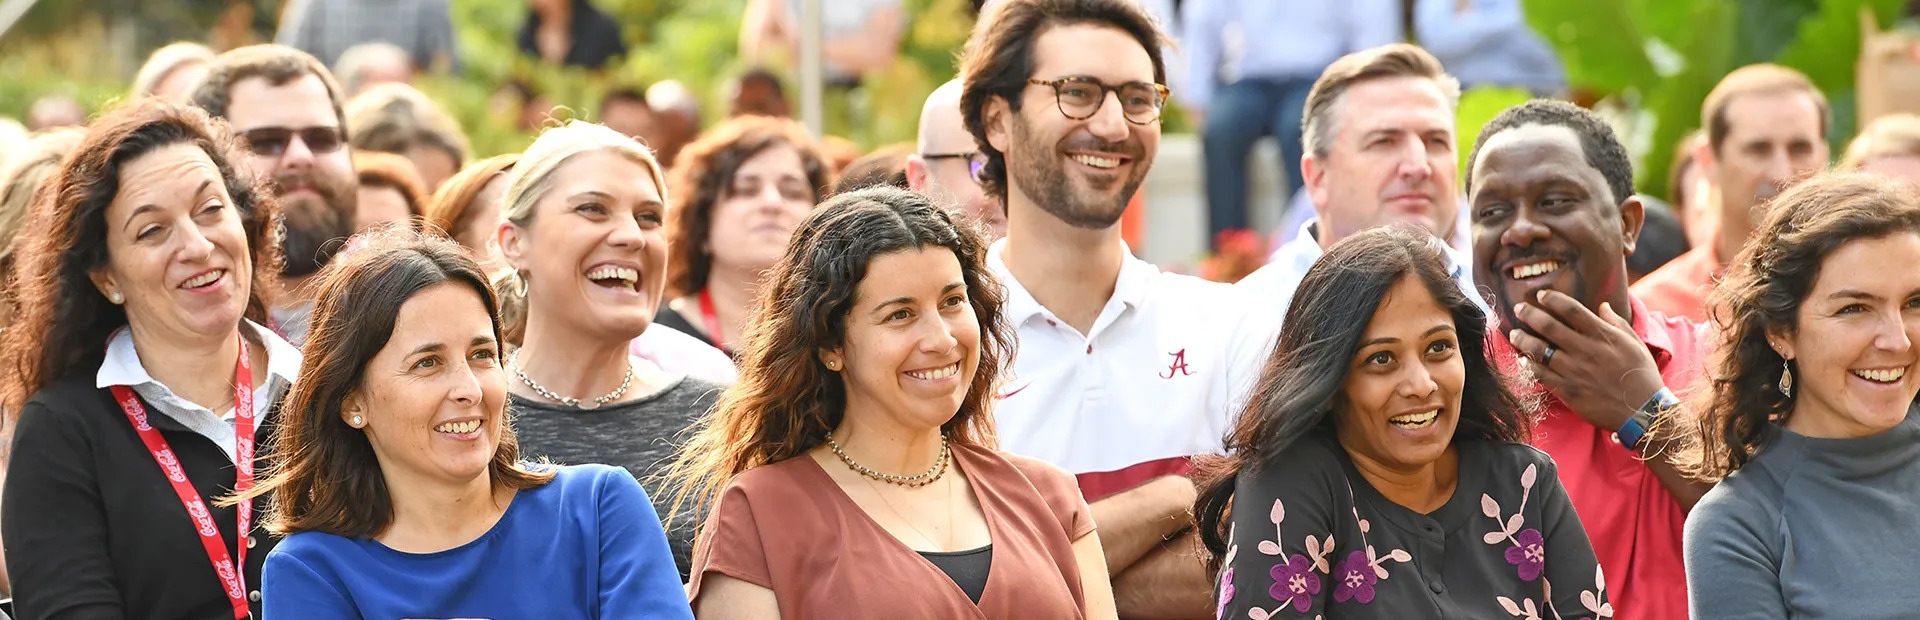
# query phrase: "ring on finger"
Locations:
[[1546, 359]]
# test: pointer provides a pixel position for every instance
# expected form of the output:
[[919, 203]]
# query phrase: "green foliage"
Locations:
[[1477, 108]]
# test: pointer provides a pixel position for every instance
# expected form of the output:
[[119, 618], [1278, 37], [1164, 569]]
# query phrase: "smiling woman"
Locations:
[[1415, 429], [399, 481]]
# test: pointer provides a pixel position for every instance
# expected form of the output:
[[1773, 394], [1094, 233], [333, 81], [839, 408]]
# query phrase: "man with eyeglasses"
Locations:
[[1122, 373], [285, 108], [944, 166]]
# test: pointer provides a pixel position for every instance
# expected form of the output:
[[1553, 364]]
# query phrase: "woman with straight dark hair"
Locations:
[[1380, 451], [852, 472], [1810, 423], [399, 484], [138, 379]]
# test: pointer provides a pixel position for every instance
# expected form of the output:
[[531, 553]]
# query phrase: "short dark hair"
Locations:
[[1661, 239], [63, 320], [998, 60], [1757, 79], [1598, 143], [325, 477], [278, 64], [1299, 389], [886, 165], [622, 95]]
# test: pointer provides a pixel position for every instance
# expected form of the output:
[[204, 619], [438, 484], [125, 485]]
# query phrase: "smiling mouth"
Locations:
[[936, 374], [458, 428], [1415, 421], [615, 277], [204, 280], [1095, 161], [1882, 375], [1534, 269]]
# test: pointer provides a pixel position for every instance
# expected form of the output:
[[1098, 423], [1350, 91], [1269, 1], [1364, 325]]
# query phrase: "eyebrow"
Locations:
[[1853, 294], [1391, 340], [437, 346], [145, 208], [902, 300], [591, 193]]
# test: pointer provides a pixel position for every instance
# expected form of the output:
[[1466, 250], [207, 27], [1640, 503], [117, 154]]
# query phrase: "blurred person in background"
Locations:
[[738, 191], [367, 64], [171, 72], [138, 358], [571, 33], [625, 110], [286, 110], [54, 111], [1488, 43], [1889, 146], [886, 165], [1766, 129], [1661, 240], [328, 28], [467, 208], [1695, 199], [585, 215], [1251, 65], [676, 120], [759, 92], [396, 118], [390, 191], [946, 161], [860, 37]]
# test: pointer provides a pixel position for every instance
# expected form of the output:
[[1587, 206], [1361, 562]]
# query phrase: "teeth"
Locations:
[[614, 273], [204, 280], [459, 428], [1097, 162], [936, 374], [1415, 419], [1886, 375], [1536, 269]]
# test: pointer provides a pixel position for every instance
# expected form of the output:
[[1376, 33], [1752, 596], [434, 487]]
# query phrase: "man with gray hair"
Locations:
[[368, 64], [1380, 148]]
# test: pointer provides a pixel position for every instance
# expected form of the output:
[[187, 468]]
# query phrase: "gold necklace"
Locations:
[[917, 480]]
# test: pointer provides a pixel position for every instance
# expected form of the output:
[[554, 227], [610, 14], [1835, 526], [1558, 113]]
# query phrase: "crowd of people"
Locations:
[[743, 378]]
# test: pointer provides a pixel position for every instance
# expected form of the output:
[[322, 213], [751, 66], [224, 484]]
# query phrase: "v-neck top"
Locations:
[[789, 528]]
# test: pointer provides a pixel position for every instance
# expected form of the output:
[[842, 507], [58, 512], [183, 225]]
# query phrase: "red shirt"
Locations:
[[1635, 525], [1680, 287]]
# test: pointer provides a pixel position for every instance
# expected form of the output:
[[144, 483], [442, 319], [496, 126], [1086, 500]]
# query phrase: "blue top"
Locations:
[[586, 545], [1230, 40]]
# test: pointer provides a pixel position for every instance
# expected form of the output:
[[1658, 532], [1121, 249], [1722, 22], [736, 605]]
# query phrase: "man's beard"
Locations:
[[1041, 174], [315, 226]]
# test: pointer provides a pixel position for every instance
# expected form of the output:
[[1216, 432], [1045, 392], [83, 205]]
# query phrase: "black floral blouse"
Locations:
[[1312, 539]]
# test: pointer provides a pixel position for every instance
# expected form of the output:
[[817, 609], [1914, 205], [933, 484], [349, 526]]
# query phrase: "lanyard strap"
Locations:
[[712, 319], [231, 576]]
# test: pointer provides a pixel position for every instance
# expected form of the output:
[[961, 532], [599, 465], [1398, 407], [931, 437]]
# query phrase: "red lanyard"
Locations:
[[231, 573], [712, 319]]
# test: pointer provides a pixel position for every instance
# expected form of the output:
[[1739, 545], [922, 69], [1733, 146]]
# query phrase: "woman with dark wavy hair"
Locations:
[[852, 471], [138, 378], [1381, 450], [1809, 423]]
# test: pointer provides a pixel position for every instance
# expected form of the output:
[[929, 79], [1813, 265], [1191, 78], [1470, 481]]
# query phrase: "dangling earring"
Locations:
[[1786, 379]]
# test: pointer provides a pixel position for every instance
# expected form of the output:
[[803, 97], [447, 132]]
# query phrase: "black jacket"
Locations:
[[93, 529]]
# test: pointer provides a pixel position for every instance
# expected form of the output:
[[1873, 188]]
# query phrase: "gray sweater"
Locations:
[[1812, 528], [641, 436]]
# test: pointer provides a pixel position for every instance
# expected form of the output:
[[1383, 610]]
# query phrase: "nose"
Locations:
[[1419, 384], [1893, 335], [465, 390], [1415, 166], [938, 337], [1526, 228], [1109, 122], [194, 245], [297, 154], [626, 233]]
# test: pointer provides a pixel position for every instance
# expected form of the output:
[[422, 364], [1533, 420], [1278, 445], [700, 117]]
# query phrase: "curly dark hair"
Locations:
[[702, 175], [998, 60], [1597, 141], [1298, 391], [786, 402], [63, 320], [1764, 287]]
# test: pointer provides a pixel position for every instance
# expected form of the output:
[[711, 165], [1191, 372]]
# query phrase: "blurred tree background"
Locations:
[[1647, 63]]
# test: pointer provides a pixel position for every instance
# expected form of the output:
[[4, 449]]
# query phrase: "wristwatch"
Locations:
[[1636, 427]]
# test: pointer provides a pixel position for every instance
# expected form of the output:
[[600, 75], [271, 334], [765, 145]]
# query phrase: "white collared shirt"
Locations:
[[122, 367], [1158, 379]]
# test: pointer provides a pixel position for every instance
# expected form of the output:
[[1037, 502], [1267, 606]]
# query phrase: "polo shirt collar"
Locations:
[[1658, 341], [1130, 289]]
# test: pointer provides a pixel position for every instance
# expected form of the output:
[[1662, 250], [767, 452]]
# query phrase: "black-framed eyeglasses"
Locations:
[[273, 141], [1080, 97], [975, 161]]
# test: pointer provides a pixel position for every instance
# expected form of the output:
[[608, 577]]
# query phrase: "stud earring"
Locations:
[[1786, 379], [114, 297], [357, 422], [833, 365]]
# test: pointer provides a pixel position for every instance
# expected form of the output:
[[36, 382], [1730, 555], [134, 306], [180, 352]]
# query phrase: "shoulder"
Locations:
[[786, 479], [325, 555], [1738, 515], [1043, 475], [592, 476], [1518, 457], [697, 390], [69, 402], [1312, 461]]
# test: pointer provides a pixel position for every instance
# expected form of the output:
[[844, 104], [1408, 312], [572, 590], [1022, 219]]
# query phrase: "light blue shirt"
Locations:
[[1489, 43], [1280, 278], [1277, 39]]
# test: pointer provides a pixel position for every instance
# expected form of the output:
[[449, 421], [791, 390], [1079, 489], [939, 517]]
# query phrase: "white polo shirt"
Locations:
[[1157, 381]]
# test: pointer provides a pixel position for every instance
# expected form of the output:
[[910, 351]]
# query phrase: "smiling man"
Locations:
[[286, 109], [1554, 218], [1122, 372]]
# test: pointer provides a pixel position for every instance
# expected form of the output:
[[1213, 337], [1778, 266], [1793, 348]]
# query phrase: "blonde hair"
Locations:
[[1893, 135], [166, 60], [394, 117], [532, 177]]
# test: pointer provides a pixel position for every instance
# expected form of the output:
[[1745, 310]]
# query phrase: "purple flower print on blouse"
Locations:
[[1356, 579], [1226, 593], [1528, 553], [1295, 580]]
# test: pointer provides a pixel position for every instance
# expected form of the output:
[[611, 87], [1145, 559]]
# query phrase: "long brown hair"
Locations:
[[451, 210], [785, 401], [1764, 287], [63, 319], [703, 175], [323, 475]]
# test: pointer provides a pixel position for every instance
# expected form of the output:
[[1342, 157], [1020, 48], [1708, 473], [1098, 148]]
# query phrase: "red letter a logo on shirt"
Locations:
[[1179, 365]]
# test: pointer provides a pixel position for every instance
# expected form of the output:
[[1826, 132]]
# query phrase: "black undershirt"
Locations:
[[968, 569]]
